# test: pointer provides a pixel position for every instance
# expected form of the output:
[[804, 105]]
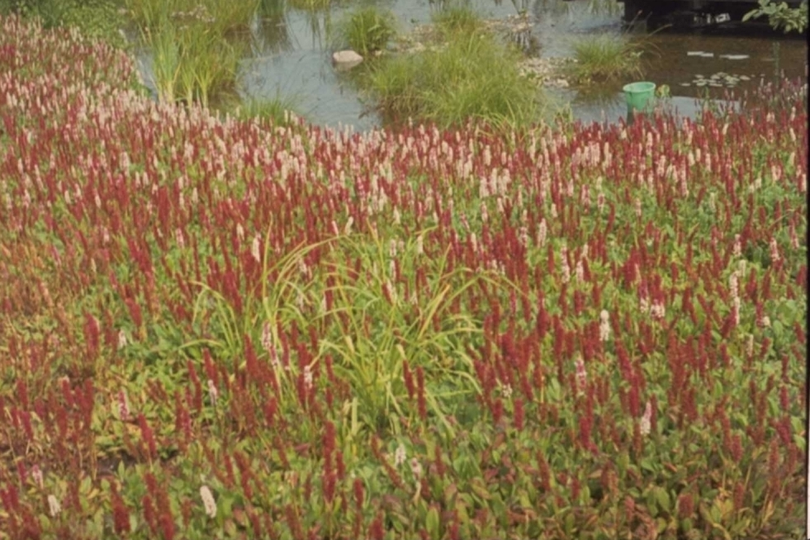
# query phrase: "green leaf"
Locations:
[[432, 523], [662, 499]]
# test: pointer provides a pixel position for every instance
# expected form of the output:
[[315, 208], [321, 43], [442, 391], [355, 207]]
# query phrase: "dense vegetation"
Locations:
[[225, 328]]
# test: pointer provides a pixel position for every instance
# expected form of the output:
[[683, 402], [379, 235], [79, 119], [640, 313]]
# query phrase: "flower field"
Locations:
[[215, 328]]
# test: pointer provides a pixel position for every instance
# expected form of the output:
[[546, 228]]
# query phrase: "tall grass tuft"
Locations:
[[473, 77], [605, 57], [192, 63], [195, 46], [165, 60], [457, 18], [367, 30]]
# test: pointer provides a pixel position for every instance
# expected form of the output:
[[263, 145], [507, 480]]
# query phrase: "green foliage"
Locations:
[[223, 18], [455, 18], [192, 63], [279, 110], [310, 5], [471, 77], [195, 57], [94, 18], [780, 15], [368, 30], [200, 311], [605, 57]]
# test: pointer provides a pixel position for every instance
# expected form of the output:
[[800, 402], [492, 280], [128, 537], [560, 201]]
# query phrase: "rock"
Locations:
[[346, 59]]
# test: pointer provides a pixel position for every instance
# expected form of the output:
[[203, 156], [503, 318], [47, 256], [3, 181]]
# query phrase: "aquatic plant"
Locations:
[[605, 57], [367, 30], [223, 18], [309, 5], [472, 76], [216, 328], [454, 18], [192, 62]]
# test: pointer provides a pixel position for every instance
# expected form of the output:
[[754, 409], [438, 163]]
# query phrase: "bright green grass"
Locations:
[[605, 57], [192, 63], [472, 77], [367, 30], [457, 18]]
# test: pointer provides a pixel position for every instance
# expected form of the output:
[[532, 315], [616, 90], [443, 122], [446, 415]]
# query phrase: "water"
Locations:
[[291, 57]]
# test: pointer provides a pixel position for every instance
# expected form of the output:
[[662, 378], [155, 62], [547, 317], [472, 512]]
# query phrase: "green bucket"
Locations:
[[638, 95]]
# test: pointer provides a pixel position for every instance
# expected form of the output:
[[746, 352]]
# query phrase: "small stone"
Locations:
[[745, 78], [346, 59]]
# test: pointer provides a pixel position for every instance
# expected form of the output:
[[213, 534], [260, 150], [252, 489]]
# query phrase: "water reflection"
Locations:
[[291, 49]]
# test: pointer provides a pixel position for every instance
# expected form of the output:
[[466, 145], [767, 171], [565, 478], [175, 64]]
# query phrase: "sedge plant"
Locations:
[[605, 58], [367, 30], [472, 77]]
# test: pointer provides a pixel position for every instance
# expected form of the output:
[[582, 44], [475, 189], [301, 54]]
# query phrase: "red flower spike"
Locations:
[[408, 377], [421, 398]]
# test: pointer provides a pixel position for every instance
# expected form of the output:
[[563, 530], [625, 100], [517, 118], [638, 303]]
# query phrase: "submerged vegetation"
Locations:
[[223, 328]]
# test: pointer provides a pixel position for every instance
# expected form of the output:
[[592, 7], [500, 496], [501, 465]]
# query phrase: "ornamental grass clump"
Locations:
[[605, 58], [367, 30], [471, 77], [221, 328], [457, 18], [195, 50]]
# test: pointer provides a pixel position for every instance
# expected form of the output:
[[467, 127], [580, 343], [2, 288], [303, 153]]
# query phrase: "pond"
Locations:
[[291, 57]]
